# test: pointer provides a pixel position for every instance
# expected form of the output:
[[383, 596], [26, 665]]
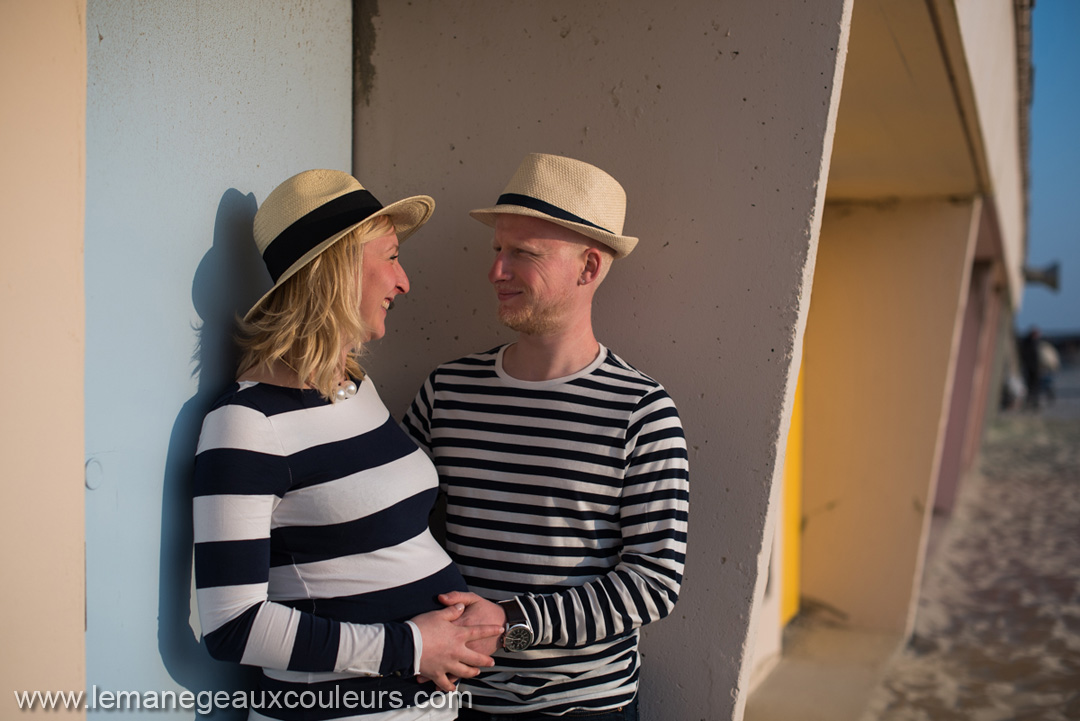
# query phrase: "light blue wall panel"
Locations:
[[195, 111]]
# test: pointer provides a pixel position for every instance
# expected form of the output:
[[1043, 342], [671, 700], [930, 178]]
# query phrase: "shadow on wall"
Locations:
[[229, 279]]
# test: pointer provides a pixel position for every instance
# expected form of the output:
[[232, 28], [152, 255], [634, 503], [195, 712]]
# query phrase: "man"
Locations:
[[564, 468], [1029, 363]]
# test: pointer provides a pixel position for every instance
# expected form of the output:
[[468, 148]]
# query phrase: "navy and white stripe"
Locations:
[[572, 495], [312, 547]]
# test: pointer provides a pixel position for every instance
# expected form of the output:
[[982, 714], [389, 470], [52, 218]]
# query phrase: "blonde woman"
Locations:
[[313, 556]]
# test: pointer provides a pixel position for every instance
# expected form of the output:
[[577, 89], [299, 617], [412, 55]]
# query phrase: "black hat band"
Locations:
[[324, 222], [527, 201]]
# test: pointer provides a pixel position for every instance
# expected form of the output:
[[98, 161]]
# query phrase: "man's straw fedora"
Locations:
[[568, 192], [312, 210]]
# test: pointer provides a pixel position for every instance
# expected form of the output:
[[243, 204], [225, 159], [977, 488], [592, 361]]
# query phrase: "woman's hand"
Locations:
[[478, 611], [445, 652]]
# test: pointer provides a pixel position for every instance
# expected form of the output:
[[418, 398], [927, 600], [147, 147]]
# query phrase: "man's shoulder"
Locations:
[[651, 401], [482, 361], [616, 368]]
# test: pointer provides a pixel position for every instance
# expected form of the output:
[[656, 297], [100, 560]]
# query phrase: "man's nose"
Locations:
[[498, 270]]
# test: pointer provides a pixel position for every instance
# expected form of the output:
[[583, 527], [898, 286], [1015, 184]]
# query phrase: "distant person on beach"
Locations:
[[1029, 364], [1049, 365]]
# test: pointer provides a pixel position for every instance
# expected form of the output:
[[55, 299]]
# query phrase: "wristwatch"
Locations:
[[517, 636]]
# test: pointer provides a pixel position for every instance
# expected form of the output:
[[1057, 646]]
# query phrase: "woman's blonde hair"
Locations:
[[314, 315]]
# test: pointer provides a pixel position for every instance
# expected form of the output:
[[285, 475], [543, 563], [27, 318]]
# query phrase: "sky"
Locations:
[[1054, 212]]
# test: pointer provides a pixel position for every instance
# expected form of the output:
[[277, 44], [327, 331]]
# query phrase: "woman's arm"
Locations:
[[241, 474]]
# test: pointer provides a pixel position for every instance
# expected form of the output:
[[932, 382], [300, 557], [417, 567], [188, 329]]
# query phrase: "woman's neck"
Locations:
[[279, 373]]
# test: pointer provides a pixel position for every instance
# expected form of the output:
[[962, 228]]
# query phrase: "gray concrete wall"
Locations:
[[717, 118]]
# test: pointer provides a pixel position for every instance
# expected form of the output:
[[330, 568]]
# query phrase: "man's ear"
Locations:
[[590, 273]]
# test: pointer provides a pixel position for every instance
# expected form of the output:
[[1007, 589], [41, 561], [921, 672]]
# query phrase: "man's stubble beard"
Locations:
[[535, 319]]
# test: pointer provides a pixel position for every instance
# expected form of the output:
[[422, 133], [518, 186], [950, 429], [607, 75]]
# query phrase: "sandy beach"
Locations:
[[997, 634]]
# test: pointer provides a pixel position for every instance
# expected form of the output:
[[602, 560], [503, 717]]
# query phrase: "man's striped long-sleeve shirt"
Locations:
[[570, 494]]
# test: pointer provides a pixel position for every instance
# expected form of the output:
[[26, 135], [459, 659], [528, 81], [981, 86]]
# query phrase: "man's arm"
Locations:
[[644, 584], [417, 419]]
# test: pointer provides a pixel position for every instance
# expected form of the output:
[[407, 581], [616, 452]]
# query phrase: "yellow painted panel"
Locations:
[[792, 510]]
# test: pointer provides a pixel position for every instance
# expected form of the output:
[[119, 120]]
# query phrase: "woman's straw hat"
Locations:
[[312, 210], [570, 193]]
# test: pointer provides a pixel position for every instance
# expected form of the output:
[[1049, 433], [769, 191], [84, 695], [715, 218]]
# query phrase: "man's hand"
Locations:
[[478, 611], [447, 654]]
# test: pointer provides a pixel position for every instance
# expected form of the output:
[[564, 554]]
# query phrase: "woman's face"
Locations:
[[382, 279]]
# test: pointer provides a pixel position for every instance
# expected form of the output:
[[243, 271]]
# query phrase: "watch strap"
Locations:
[[514, 613], [517, 634]]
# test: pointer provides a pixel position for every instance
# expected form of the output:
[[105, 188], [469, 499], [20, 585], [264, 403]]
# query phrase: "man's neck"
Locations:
[[556, 355]]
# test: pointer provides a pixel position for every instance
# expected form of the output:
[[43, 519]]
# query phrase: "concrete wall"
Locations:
[[780, 602], [988, 31], [963, 394], [195, 112], [42, 116], [985, 394], [898, 133], [769, 631], [881, 345], [717, 118]]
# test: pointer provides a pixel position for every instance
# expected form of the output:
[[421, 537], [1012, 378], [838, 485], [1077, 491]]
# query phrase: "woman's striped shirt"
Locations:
[[571, 495], [312, 547]]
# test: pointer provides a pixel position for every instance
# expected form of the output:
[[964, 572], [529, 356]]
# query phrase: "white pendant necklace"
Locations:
[[346, 391]]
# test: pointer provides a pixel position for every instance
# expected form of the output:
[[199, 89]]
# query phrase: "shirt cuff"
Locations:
[[530, 606], [418, 647]]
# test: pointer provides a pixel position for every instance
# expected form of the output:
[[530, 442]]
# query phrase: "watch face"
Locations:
[[517, 638]]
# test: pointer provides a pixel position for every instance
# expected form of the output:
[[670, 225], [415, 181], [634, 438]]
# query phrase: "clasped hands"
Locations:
[[458, 639]]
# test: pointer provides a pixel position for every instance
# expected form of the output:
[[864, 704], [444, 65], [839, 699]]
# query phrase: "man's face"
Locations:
[[535, 273]]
